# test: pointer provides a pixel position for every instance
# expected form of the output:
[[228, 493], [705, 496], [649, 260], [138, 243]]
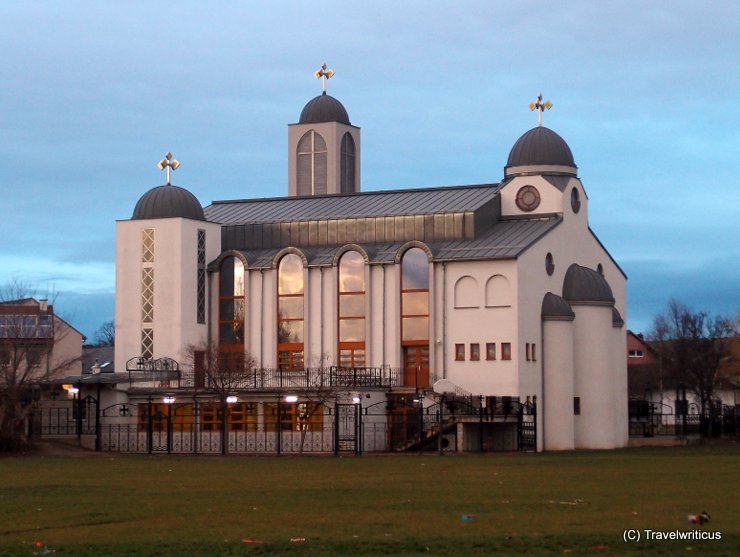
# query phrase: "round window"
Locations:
[[527, 198]]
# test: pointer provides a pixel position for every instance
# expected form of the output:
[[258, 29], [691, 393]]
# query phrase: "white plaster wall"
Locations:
[[269, 331], [482, 325], [621, 391], [551, 198], [175, 286], [255, 315], [556, 402], [595, 427]]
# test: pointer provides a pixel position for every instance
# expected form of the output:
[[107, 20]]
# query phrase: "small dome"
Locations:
[[324, 108], [540, 146], [168, 201], [554, 308], [586, 286]]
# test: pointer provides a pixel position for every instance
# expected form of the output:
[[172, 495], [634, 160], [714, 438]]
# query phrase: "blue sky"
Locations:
[[645, 93]]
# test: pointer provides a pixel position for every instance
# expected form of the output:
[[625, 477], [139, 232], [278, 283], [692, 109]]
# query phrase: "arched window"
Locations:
[[415, 317], [351, 292], [290, 312], [311, 151], [231, 311], [466, 293], [498, 293], [347, 164]]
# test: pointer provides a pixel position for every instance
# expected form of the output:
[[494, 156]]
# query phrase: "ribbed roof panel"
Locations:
[[355, 205]]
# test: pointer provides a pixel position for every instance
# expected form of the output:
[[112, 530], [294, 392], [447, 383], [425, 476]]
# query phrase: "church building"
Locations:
[[471, 317]]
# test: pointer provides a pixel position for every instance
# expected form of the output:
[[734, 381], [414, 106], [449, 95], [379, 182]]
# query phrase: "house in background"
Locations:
[[36, 342], [662, 403]]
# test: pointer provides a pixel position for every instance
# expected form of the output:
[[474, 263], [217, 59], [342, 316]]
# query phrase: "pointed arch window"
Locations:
[[415, 317], [311, 164], [290, 312], [232, 303], [351, 292], [347, 164]]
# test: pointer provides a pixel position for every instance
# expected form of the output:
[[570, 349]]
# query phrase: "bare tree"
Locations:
[[692, 344], [29, 332], [315, 393], [220, 371], [105, 335]]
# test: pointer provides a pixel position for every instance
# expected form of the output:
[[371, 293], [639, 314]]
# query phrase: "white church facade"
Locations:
[[460, 318]]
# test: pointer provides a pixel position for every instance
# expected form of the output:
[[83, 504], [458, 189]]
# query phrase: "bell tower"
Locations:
[[323, 147]]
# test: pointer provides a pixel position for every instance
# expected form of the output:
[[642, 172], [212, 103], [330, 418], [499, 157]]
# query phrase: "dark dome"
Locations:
[[554, 308], [540, 146], [586, 286], [168, 201], [324, 108]]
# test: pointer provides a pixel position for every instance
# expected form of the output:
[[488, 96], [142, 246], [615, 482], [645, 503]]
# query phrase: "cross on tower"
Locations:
[[170, 164], [324, 74], [540, 107]]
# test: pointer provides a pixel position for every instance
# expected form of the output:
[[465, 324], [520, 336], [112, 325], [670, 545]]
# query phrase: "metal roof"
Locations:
[[540, 145], [168, 201], [324, 108], [506, 239], [355, 205]]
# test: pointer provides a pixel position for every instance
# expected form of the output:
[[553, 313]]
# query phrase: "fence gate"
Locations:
[[527, 427], [348, 438]]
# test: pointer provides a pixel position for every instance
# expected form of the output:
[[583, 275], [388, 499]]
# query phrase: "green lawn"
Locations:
[[553, 504]]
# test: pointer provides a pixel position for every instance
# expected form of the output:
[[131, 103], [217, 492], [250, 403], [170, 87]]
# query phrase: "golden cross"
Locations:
[[324, 74], [170, 164], [540, 107]]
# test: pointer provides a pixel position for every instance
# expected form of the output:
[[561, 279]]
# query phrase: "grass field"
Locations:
[[553, 504]]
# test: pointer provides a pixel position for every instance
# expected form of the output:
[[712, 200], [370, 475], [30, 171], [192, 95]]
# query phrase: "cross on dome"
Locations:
[[170, 164], [540, 107], [323, 74]]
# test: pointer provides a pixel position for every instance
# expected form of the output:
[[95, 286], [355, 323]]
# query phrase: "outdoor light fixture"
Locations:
[[291, 398], [356, 399], [231, 399], [73, 390], [169, 399]]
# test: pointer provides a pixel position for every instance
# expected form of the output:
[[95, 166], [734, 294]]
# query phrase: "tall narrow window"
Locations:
[[231, 313], [290, 312], [312, 165], [460, 352], [475, 352], [415, 317], [347, 164], [147, 293], [200, 304], [490, 351], [351, 310]]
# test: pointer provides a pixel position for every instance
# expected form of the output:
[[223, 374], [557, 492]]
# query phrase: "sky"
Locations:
[[645, 93]]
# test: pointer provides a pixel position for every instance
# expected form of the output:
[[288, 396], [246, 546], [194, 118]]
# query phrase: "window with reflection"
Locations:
[[231, 306], [290, 312], [351, 291], [415, 317]]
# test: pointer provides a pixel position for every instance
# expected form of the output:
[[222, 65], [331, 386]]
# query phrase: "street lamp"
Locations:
[[169, 399]]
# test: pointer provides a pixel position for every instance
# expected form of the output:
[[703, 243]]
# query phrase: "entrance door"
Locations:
[[416, 366]]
